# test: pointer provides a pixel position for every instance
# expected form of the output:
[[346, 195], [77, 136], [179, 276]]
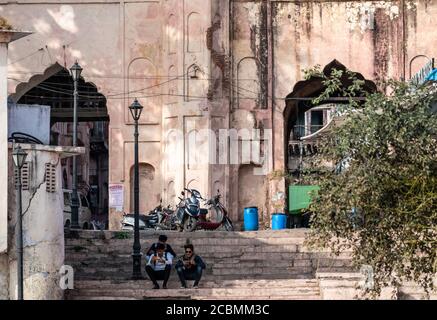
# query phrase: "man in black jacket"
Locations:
[[163, 240], [189, 267]]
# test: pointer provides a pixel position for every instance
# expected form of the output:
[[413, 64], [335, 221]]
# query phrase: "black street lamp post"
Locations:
[[19, 156], [76, 70], [135, 109]]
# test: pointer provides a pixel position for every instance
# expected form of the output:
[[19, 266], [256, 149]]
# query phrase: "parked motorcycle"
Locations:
[[220, 212], [159, 218], [188, 210], [189, 215], [145, 221], [166, 219]]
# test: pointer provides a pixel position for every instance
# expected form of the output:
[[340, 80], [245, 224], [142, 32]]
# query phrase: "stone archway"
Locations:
[[54, 88], [299, 106], [299, 100]]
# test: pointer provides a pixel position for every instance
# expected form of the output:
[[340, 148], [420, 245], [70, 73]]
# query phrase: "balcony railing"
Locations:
[[304, 148], [300, 131]]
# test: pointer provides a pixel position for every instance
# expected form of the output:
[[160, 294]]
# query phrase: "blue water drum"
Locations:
[[279, 221], [251, 219]]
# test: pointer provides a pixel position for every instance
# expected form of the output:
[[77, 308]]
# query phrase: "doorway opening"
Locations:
[[54, 88], [303, 122]]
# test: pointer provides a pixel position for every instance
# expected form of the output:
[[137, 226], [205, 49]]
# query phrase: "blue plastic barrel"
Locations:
[[279, 221], [251, 219]]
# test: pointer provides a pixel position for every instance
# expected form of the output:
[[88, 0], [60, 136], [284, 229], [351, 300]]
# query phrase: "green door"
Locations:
[[300, 198]]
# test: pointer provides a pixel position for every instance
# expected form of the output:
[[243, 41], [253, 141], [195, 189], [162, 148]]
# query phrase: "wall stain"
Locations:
[[381, 38], [219, 59]]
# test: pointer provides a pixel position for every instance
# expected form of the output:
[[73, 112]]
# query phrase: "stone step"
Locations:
[[180, 241], [208, 277], [261, 270], [217, 256], [195, 297], [269, 269], [203, 248], [217, 264], [146, 284], [220, 263], [203, 292], [200, 249], [266, 298], [145, 234], [235, 255], [73, 297]]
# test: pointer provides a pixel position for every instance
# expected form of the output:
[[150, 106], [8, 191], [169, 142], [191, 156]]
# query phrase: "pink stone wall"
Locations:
[[249, 55]]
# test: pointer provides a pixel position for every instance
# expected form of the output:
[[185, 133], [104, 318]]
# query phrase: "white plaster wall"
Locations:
[[43, 231]]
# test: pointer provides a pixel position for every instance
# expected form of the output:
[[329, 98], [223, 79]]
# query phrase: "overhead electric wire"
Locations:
[[128, 94], [125, 94], [25, 57], [180, 77], [149, 96]]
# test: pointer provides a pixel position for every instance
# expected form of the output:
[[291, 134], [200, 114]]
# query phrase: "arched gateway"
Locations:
[[54, 88], [304, 119]]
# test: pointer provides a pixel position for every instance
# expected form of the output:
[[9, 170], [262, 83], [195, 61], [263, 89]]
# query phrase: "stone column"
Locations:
[[6, 36]]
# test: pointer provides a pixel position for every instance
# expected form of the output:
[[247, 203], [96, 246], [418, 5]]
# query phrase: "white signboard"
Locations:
[[116, 196]]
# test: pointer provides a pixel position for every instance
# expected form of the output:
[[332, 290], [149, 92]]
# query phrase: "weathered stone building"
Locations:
[[210, 64]]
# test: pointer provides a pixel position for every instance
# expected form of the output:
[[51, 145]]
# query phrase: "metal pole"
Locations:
[[136, 255], [74, 195], [300, 161], [19, 240]]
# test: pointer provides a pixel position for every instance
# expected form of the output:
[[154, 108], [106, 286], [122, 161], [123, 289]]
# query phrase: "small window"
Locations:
[[317, 120]]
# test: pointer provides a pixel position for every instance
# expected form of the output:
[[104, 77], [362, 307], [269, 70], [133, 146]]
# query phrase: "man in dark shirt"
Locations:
[[163, 240], [189, 267]]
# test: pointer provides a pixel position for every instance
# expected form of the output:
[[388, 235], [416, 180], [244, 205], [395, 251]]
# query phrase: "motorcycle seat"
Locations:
[[204, 211]]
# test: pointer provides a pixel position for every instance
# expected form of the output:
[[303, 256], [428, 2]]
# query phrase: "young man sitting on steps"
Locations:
[[159, 266], [162, 239], [189, 267]]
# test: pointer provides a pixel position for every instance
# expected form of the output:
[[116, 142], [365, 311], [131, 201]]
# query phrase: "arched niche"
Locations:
[[173, 139], [194, 32], [248, 84], [196, 83], [172, 84], [194, 184], [250, 189], [149, 189], [171, 194], [172, 34], [192, 149], [143, 84]]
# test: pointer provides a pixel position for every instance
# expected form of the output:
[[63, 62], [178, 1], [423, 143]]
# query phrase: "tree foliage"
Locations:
[[378, 195]]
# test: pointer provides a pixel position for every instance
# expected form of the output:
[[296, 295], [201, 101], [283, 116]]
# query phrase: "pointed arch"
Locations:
[[54, 87]]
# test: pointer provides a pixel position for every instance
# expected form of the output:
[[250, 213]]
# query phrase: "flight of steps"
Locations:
[[240, 265]]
